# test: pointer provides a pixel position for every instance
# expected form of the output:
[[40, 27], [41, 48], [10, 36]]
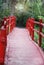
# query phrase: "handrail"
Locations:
[[37, 31], [42, 24], [30, 26], [9, 23]]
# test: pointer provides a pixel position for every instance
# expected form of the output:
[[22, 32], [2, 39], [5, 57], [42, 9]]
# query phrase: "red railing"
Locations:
[[3, 43], [10, 23], [30, 26], [7, 27]]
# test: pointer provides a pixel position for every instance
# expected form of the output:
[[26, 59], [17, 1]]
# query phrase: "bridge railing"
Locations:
[[30, 26], [10, 23], [7, 27], [3, 43]]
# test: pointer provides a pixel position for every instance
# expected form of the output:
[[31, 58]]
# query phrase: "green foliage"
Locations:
[[36, 37], [6, 12], [21, 20], [34, 8], [3, 11], [42, 43]]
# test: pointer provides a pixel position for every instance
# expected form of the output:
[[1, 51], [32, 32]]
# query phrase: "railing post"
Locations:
[[30, 26], [3, 43], [12, 23], [32, 29], [6, 24], [40, 30]]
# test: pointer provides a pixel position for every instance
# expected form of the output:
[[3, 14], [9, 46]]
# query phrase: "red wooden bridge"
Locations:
[[17, 46]]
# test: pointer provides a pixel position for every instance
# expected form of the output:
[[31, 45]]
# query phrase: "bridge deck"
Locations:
[[21, 50]]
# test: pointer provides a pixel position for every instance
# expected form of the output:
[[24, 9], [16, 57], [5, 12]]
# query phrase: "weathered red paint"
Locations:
[[30, 26], [40, 30], [12, 23], [3, 43], [8, 25]]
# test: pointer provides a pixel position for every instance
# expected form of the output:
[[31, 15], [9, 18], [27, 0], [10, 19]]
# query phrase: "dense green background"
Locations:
[[35, 8]]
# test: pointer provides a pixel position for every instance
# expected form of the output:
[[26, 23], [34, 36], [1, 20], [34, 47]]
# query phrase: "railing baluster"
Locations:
[[30, 26], [40, 30]]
